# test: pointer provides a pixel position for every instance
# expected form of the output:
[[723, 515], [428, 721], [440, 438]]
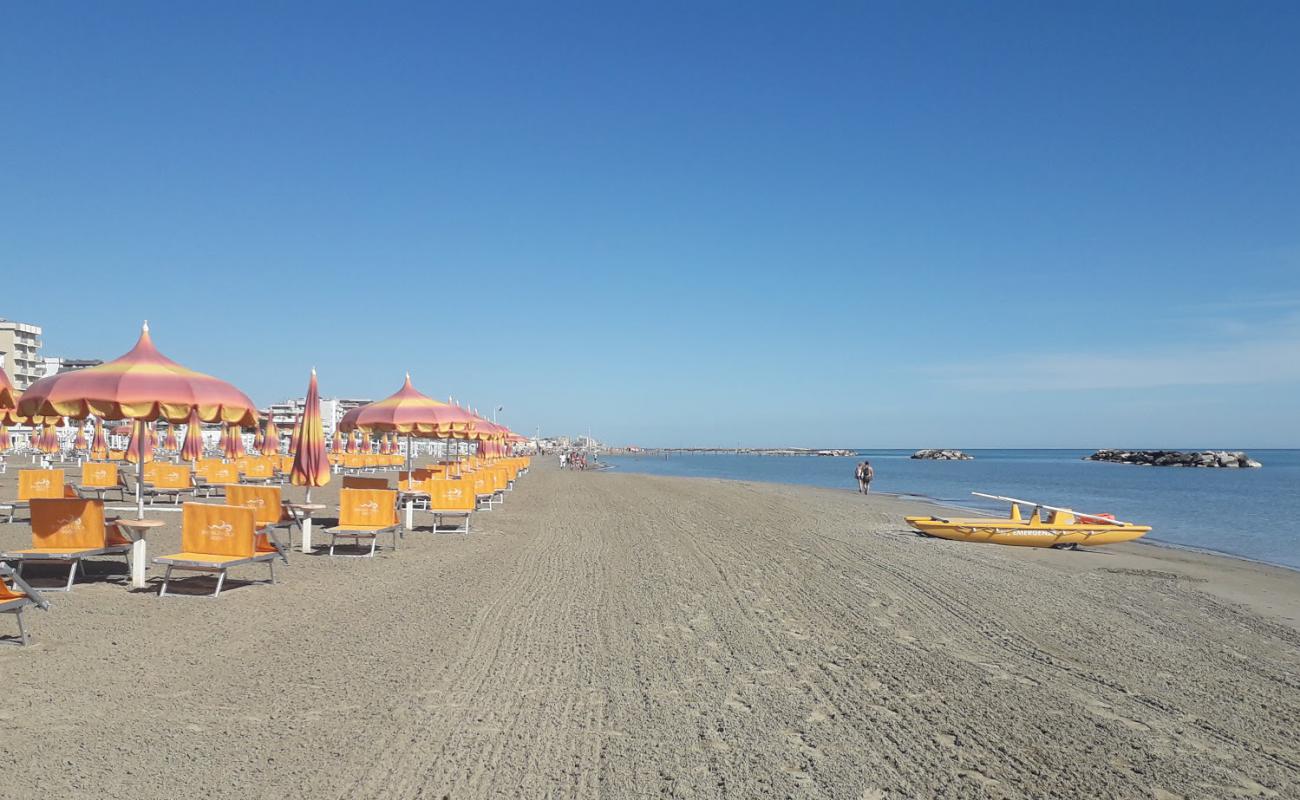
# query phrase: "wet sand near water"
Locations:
[[611, 635]]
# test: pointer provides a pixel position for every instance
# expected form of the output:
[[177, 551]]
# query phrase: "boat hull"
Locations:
[[1017, 533]]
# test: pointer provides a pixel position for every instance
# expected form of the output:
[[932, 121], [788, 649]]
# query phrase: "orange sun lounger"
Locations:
[[450, 498], [364, 514], [15, 597], [35, 484], [270, 515], [98, 478], [168, 480], [67, 531], [215, 539]]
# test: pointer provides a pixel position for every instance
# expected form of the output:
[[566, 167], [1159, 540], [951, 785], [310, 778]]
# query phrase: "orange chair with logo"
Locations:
[[67, 531], [15, 596], [35, 484], [98, 478], [269, 513], [450, 498], [168, 480], [358, 482], [215, 539], [365, 514], [257, 469]]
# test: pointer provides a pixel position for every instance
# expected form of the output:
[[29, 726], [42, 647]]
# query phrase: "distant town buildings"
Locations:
[[52, 365], [286, 413], [19, 346]]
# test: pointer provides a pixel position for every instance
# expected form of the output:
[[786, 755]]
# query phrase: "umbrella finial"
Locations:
[[145, 327], [313, 370]]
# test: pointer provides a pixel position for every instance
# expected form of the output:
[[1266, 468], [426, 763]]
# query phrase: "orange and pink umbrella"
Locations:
[[99, 444], [192, 448], [270, 439], [139, 448], [142, 385], [311, 465], [232, 445]]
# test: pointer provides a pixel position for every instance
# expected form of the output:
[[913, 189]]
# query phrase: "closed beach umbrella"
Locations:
[[8, 394], [270, 439], [258, 438], [5, 441], [233, 445], [79, 441], [143, 385], [311, 466], [50, 439], [169, 441], [352, 442], [295, 434], [139, 445], [336, 444], [192, 449], [99, 444]]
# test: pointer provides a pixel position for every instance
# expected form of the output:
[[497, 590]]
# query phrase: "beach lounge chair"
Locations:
[[218, 476], [68, 531], [98, 478], [270, 515], [35, 484], [168, 480], [450, 498], [358, 482], [215, 539], [365, 514], [15, 596]]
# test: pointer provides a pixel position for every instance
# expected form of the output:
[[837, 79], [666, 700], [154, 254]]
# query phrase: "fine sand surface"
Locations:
[[612, 635]]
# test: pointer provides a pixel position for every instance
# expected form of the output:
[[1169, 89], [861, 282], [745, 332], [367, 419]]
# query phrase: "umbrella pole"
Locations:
[[139, 471]]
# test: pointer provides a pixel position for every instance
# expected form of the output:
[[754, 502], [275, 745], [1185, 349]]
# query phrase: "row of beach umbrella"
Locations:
[[144, 386]]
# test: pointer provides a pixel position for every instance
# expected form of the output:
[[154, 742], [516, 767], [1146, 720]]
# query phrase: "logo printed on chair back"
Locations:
[[373, 507], [263, 500], [217, 530], [68, 523], [34, 484]]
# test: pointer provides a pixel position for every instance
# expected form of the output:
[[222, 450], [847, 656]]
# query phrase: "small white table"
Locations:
[[135, 530], [303, 512]]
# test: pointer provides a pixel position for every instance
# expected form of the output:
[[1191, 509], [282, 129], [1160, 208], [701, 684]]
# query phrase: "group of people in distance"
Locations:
[[575, 460]]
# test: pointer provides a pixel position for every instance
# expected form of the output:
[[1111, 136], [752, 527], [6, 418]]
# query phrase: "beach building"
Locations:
[[331, 411], [53, 365], [20, 344]]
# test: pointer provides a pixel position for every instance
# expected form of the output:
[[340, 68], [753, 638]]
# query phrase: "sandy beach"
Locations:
[[613, 635]]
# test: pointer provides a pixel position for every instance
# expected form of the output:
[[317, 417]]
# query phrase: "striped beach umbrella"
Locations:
[[270, 439], [408, 412], [295, 435], [311, 466], [258, 438], [143, 384], [79, 441], [192, 448], [232, 445], [169, 441], [99, 444], [336, 444], [139, 444], [6, 441], [352, 442]]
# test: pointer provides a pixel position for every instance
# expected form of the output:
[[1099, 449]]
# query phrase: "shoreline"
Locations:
[[1259, 585], [1145, 541]]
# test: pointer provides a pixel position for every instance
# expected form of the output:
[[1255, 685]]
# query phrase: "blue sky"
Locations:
[[896, 224]]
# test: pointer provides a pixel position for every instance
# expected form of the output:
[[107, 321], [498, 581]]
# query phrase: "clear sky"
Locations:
[[697, 223]]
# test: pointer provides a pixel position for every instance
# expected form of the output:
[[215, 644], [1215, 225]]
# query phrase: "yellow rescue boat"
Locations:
[[1065, 528]]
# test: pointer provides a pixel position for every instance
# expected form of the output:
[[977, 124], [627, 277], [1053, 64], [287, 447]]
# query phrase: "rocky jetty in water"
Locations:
[[1212, 459], [943, 455]]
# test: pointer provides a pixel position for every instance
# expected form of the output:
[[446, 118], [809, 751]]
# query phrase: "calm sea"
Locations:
[[1254, 513]]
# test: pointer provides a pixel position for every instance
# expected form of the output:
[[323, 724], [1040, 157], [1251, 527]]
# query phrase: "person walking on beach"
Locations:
[[865, 474]]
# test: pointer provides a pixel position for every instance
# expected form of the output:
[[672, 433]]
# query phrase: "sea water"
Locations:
[[1253, 513]]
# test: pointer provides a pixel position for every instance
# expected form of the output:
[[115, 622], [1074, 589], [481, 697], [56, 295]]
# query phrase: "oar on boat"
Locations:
[[1078, 514]]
